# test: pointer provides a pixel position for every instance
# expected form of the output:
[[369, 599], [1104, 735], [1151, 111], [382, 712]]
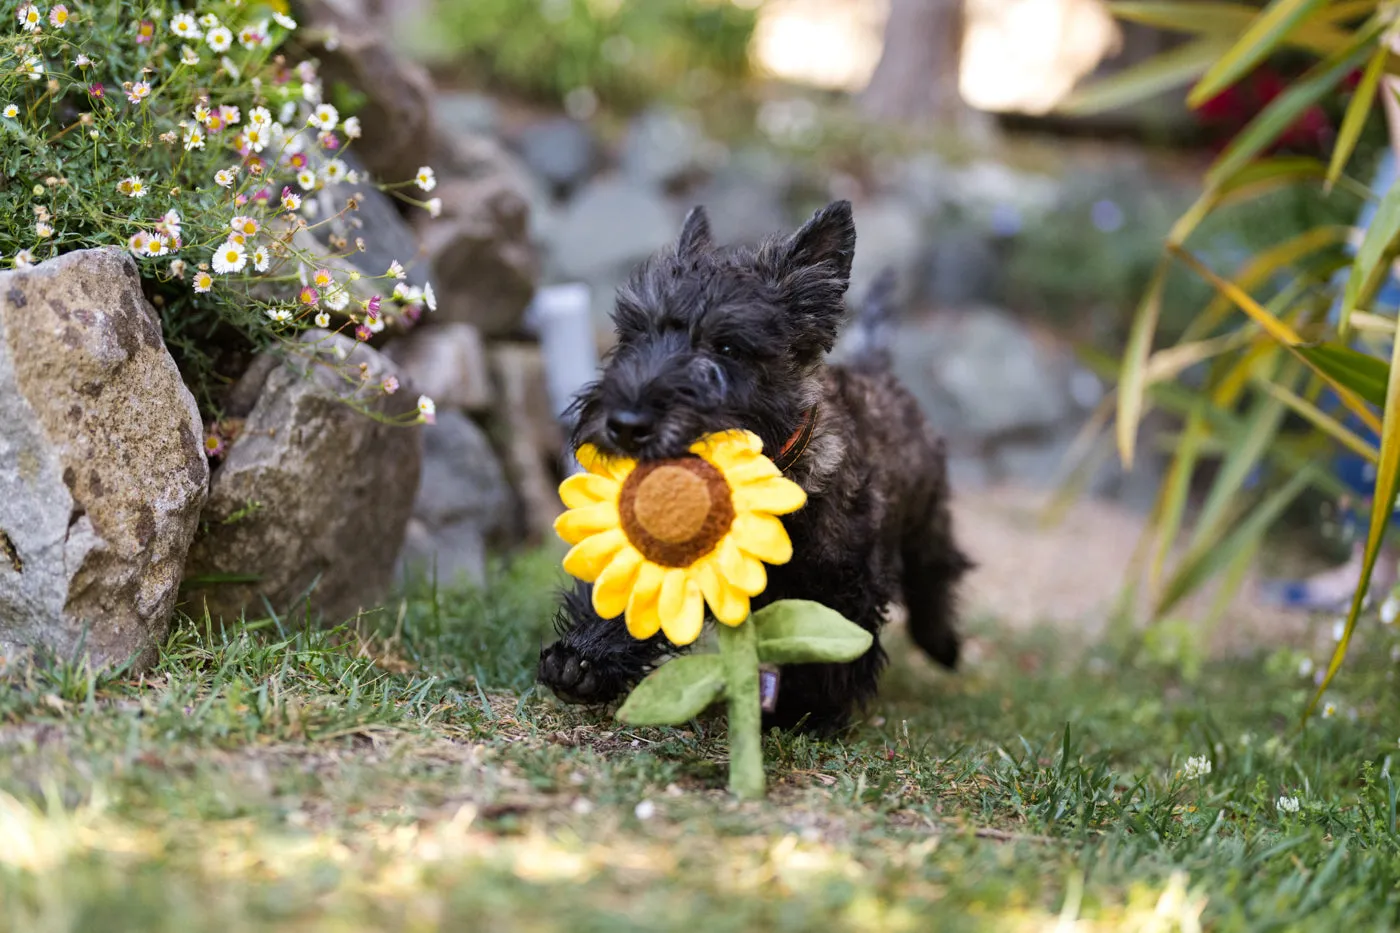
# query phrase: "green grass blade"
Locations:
[[1355, 118], [1265, 129], [1321, 420], [1382, 505]]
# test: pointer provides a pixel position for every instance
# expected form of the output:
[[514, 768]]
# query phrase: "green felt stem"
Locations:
[[738, 646]]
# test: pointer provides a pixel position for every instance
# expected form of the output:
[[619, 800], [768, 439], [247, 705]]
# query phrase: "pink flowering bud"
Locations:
[[390, 385], [363, 333], [309, 296], [97, 90], [373, 305]]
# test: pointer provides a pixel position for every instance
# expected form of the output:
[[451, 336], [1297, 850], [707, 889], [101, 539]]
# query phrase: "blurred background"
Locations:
[[1023, 236]]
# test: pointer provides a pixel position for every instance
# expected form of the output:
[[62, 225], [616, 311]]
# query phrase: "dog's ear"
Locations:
[[695, 234], [829, 237]]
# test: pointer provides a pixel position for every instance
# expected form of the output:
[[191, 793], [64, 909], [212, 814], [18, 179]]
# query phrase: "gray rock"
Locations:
[[560, 151], [481, 253], [889, 232], [742, 209], [664, 146], [464, 503], [464, 113], [102, 467], [313, 496], [612, 224], [981, 374], [961, 268], [397, 115], [447, 363], [532, 440]]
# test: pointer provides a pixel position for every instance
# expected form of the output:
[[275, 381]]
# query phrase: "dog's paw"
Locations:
[[573, 678]]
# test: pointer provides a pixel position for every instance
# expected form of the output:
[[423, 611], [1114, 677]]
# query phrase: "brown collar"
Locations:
[[796, 445]]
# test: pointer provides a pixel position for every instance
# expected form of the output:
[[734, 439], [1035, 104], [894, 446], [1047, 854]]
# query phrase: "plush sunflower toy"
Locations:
[[660, 540]]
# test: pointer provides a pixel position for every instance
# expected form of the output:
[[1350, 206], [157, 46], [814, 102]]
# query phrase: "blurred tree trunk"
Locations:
[[917, 77]]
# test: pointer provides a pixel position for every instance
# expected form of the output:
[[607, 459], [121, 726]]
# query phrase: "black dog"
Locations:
[[716, 338]]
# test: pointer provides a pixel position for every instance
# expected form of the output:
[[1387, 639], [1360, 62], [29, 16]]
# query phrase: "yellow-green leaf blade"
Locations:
[[1357, 111], [1370, 267], [1145, 80], [1263, 37]]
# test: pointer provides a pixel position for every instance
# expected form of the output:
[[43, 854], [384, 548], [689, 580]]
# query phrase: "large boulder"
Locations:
[[102, 469], [447, 363], [310, 504]]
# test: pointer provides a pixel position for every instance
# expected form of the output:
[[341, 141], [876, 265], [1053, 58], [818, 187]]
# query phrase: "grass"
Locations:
[[404, 774]]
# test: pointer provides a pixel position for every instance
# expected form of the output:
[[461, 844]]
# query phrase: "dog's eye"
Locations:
[[727, 349]]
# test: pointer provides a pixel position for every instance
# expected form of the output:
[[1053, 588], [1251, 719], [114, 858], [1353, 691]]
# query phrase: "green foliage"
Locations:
[[195, 146], [799, 631], [1284, 285], [621, 50], [677, 691]]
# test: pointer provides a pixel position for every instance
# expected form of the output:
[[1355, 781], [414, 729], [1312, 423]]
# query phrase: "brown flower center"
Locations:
[[676, 511]]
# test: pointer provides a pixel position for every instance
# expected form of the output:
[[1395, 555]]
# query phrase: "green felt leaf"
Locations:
[[799, 631], [675, 692]]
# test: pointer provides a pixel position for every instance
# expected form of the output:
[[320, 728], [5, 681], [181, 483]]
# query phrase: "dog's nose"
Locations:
[[629, 429]]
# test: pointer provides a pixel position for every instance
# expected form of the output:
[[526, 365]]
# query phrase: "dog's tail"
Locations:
[[873, 323]]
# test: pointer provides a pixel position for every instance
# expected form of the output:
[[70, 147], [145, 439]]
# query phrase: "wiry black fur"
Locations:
[[711, 339]]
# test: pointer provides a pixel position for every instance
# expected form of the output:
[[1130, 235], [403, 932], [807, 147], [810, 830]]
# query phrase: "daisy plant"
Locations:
[[198, 137], [663, 540]]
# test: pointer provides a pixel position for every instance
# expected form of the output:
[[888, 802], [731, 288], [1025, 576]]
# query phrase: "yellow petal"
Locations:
[[682, 607], [614, 585], [576, 524], [588, 558], [584, 489], [777, 496], [728, 604], [599, 464], [762, 536], [643, 621], [744, 573], [727, 446], [751, 468]]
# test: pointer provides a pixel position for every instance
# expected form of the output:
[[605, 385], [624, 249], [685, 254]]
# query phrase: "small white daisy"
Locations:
[[259, 116], [288, 111], [42, 230], [337, 298], [261, 257], [426, 179], [138, 92], [188, 55], [157, 246], [30, 19], [396, 270], [352, 128], [427, 409], [1329, 709], [10, 111], [194, 138], [285, 21], [255, 137], [177, 268], [138, 243], [1288, 804], [252, 36], [219, 39], [290, 200], [209, 21], [430, 297], [307, 179], [323, 320], [279, 315], [82, 61], [435, 207], [132, 187], [203, 281], [311, 92], [58, 16], [244, 225], [186, 27], [230, 257], [333, 171], [24, 259], [225, 177], [324, 117]]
